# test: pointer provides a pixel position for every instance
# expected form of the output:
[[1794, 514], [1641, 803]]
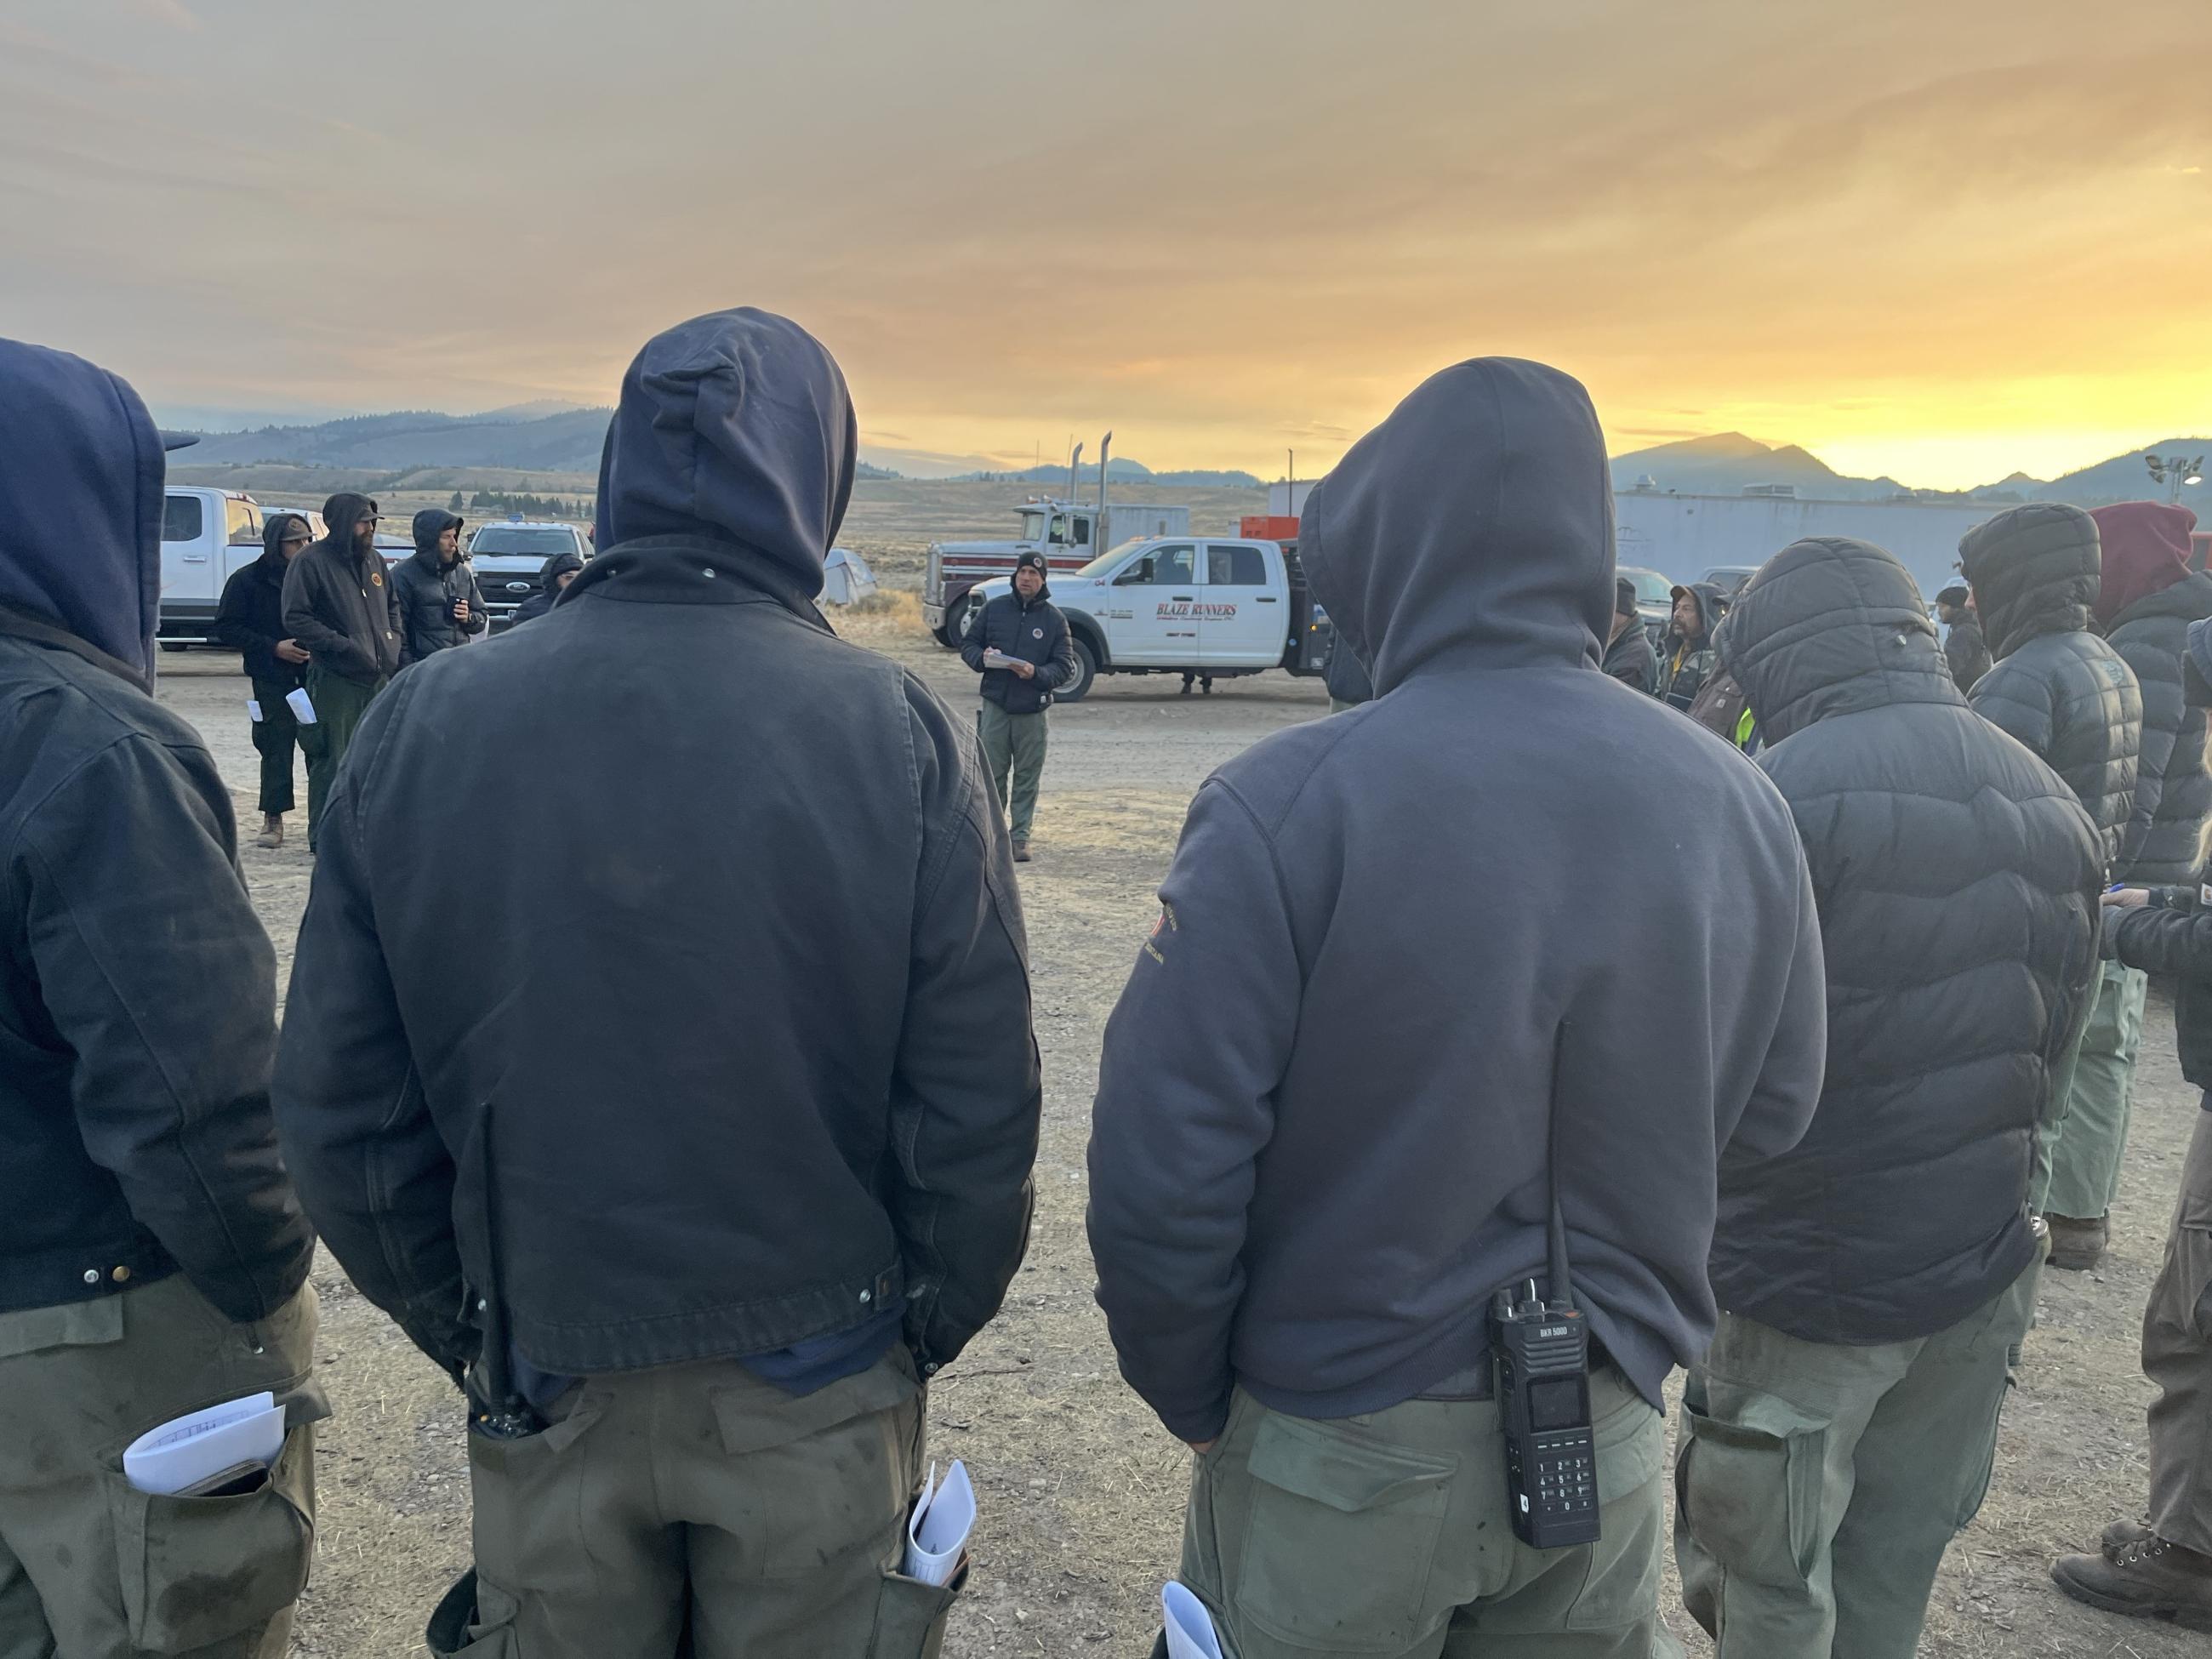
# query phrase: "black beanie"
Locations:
[[1624, 597]]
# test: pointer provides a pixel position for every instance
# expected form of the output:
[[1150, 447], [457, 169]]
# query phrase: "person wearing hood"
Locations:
[[2162, 1567], [1310, 1174], [340, 608], [1034, 653], [251, 620], [2061, 689], [701, 1324], [1698, 608], [1876, 1278], [153, 1254], [553, 579], [1629, 656], [1346, 677], [1964, 646], [439, 604], [2145, 601]]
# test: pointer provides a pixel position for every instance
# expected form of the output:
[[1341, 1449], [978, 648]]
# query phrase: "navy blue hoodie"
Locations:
[[80, 502], [1394, 942]]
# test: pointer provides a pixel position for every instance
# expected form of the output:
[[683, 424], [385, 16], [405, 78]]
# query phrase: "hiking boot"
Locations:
[[2149, 1579], [2077, 1246], [272, 830], [2121, 1533], [1021, 851]]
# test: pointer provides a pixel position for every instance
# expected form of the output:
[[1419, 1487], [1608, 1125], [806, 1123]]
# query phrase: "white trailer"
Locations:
[[1682, 536]]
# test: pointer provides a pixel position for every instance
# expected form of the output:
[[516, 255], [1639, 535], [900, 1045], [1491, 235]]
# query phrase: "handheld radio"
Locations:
[[1541, 1350]]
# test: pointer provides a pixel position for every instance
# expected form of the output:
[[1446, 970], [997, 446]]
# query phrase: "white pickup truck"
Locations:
[[1206, 607], [206, 534]]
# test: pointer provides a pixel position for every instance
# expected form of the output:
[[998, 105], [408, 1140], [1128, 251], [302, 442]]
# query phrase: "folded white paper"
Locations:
[[937, 1531], [186, 1450], [1190, 1628], [253, 710], [296, 700]]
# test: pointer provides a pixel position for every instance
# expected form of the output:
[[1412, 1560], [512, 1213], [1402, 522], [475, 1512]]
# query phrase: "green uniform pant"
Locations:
[[2085, 1144], [90, 1566], [339, 704], [276, 736], [2177, 1355], [1013, 743], [1819, 1485], [1388, 1535], [770, 1524]]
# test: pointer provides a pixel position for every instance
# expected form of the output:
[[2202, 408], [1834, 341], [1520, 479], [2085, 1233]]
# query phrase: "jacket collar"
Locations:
[[18, 624]]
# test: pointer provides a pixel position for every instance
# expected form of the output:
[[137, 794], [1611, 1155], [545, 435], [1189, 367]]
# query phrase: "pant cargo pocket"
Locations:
[[199, 1571], [1342, 1537], [911, 1616], [1749, 1490], [473, 1618]]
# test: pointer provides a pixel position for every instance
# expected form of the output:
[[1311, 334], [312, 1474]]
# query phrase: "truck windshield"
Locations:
[[497, 538], [1032, 526], [1099, 566]]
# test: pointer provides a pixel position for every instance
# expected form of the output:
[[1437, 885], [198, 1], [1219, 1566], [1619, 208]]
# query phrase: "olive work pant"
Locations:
[[697, 1509], [339, 704], [1818, 1486], [1013, 743], [276, 736], [2177, 1355], [91, 1566], [2083, 1148], [1388, 1534]]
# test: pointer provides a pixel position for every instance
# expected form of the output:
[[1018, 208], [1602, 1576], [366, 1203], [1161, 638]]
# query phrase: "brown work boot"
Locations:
[[272, 830], [1021, 851], [2149, 1579], [2077, 1246]]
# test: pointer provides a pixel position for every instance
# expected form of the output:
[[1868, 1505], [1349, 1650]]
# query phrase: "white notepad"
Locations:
[[186, 1450], [937, 1531], [1190, 1628], [297, 701]]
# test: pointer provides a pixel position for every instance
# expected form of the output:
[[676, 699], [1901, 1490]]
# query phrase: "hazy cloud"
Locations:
[[1902, 231]]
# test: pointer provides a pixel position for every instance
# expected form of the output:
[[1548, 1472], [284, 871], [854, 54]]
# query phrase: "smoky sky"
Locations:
[[1924, 238]]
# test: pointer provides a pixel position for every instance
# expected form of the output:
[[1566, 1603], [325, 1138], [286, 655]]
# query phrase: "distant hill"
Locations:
[[1728, 463], [1121, 470], [566, 442], [2123, 479]]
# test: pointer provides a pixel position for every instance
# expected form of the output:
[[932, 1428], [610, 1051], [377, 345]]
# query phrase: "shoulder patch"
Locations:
[[1163, 925]]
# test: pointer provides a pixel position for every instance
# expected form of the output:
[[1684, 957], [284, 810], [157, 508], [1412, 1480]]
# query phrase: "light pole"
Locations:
[[2175, 471]]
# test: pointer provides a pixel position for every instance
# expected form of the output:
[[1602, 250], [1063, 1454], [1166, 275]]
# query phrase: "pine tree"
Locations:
[[454, 505]]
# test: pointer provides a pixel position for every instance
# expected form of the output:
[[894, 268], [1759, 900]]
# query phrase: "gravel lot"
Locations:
[[1081, 1492]]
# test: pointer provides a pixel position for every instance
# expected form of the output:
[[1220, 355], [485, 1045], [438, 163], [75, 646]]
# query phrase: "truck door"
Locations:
[[189, 536], [1154, 617], [1244, 618]]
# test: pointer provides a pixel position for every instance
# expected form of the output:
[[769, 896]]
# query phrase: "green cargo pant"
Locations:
[[1015, 743], [2085, 1144], [276, 736], [1388, 1535], [2177, 1355], [339, 704], [770, 1523], [90, 1566], [1818, 1484]]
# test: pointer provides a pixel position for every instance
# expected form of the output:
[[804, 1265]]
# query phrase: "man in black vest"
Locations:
[[1021, 647]]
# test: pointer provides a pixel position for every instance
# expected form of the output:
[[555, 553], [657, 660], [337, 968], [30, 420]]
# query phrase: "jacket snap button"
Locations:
[[930, 1369], [866, 1295], [92, 1275], [121, 1275], [707, 571]]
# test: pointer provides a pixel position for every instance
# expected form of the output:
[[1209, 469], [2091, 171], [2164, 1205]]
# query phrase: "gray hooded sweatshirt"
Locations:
[[1394, 942]]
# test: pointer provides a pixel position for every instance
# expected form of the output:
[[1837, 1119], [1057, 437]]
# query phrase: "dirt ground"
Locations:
[[1081, 1492]]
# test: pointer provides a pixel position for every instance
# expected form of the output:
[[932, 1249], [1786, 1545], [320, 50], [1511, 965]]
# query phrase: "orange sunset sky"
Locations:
[[1941, 240]]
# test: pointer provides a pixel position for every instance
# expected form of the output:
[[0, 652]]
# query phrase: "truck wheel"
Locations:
[[1086, 673], [957, 616]]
